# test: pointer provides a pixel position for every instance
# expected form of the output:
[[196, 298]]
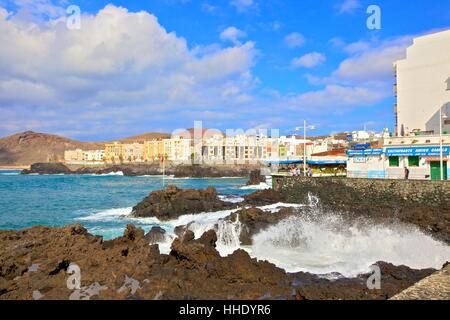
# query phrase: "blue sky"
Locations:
[[137, 66]]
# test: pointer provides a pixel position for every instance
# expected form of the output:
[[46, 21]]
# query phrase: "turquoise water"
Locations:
[[98, 202]]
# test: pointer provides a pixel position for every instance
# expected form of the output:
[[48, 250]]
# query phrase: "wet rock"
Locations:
[[203, 171], [193, 270], [255, 220], [173, 202], [47, 168], [264, 197], [155, 235], [256, 178], [394, 279], [141, 169]]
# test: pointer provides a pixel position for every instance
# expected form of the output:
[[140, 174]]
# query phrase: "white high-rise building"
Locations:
[[422, 86]]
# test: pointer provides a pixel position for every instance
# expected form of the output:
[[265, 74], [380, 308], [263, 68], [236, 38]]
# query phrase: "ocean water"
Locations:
[[96, 201], [317, 242]]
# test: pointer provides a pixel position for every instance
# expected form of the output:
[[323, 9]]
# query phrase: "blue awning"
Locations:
[[365, 153], [312, 162], [417, 151]]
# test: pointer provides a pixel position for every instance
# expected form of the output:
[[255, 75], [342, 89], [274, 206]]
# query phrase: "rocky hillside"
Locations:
[[145, 137], [30, 147]]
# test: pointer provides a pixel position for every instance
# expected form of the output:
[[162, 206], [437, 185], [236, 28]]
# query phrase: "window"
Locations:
[[394, 162], [413, 161]]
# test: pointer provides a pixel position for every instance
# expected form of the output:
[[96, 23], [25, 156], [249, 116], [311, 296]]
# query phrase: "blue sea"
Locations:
[[99, 202], [318, 242]]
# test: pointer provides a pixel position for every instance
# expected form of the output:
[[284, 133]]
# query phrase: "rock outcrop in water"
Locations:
[[254, 220], [256, 178], [172, 202], [34, 264], [47, 168], [264, 197], [155, 235], [150, 169]]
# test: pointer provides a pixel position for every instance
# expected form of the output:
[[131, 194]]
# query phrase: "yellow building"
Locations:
[[114, 152], [153, 150]]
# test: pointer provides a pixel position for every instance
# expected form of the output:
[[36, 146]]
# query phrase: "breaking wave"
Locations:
[[311, 241]]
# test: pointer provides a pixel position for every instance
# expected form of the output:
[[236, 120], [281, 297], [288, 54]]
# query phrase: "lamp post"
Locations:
[[305, 127], [442, 116]]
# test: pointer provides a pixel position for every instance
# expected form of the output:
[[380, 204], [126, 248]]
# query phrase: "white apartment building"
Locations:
[[93, 155], [78, 156], [133, 152], [422, 85], [178, 149]]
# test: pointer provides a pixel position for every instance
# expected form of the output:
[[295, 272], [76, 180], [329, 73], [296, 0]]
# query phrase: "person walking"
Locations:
[[406, 173]]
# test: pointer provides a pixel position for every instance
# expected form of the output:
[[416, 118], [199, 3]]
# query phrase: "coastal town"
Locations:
[[232, 151], [417, 149]]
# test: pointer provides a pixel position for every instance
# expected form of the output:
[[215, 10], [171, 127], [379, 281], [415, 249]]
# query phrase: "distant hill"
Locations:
[[145, 137], [29, 147]]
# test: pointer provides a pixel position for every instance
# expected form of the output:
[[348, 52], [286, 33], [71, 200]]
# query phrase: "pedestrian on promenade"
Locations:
[[406, 173]]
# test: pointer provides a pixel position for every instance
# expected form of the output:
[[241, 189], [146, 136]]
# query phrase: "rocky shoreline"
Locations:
[[151, 169], [35, 264]]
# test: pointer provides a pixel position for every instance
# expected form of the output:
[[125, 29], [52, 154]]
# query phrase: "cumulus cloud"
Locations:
[[233, 35], [338, 99], [372, 61], [309, 60], [294, 40], [119, 68], [243, 5], [348, 6]]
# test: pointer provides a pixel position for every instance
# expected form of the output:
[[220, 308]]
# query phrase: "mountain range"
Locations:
[[25, 148]]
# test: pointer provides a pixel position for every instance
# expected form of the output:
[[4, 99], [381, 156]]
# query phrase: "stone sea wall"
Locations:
[[423, 203], [366, 191]]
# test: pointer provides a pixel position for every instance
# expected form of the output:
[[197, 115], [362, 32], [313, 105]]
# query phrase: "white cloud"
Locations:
[[294, 40], [372, 61], [336, 98], [122, 67], [232, 34], [349, 6], [243, 5], [208, 7], [309, 60]]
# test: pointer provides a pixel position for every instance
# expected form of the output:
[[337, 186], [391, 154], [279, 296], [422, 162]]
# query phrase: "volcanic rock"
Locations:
[[47, 168], [264, 197], [393, 279], [256, 178], [173, 202], [255, 220], [155, 235], [128, 268]]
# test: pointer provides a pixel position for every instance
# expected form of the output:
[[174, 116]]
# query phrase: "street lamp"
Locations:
[[442, 116], [305, 127]]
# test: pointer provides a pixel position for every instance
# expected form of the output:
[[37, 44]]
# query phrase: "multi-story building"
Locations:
[[178, 149], [93, 156], [154, 150], [422, 85], [114, 152], [133, 152], [84, 156], [73, 156]]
